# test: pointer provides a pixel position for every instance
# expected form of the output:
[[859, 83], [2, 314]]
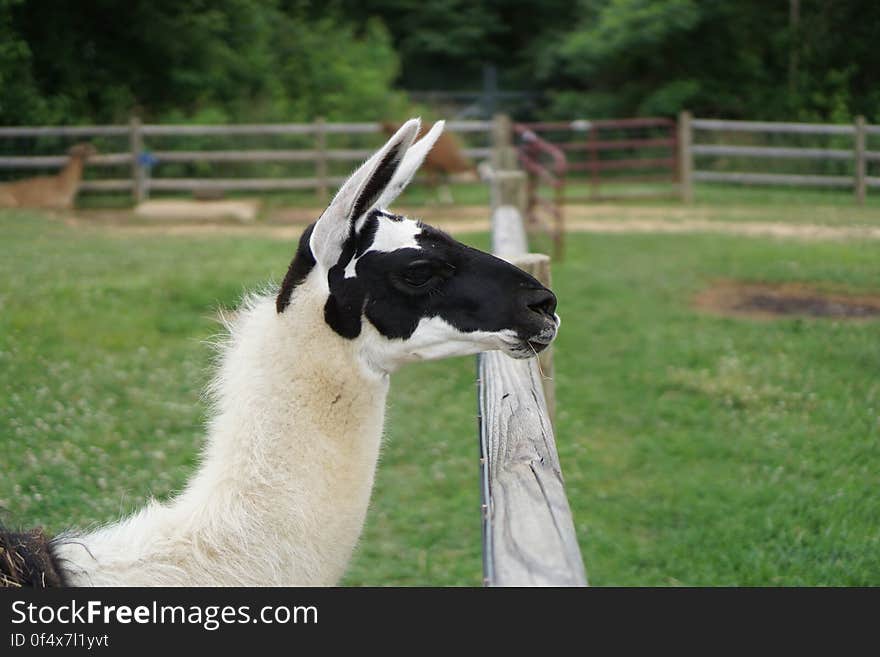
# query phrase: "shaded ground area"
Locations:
[[768, 301]]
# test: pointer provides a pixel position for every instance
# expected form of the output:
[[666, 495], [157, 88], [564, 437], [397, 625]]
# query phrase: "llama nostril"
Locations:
[[543, 303]]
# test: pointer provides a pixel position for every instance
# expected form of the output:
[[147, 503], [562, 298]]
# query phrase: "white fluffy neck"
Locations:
[[287, 469]]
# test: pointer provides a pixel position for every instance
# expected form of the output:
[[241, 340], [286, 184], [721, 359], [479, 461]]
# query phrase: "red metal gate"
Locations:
[[615, 154], [545, 165]]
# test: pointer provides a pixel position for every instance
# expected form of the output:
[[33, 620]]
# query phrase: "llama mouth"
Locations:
[[538, 347]]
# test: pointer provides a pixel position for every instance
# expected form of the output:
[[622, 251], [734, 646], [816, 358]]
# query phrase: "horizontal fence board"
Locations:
[[772, 151], [65, 131], [158, 130], [582, 125], [771, 126], [872, 181], [255, 184], [617, 144], [872, 156], [774, 179], [290, 128], [236, 156], [106, 185], [56, 161], [619, 165], [469, 126]]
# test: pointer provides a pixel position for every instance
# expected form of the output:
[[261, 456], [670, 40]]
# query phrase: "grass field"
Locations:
[[721, 201], [697, 450]]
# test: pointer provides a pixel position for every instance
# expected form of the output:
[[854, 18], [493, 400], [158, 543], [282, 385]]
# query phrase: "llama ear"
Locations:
[[410, 164], [358, 195]]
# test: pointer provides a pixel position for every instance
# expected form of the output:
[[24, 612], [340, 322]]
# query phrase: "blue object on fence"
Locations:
[[147, 160]]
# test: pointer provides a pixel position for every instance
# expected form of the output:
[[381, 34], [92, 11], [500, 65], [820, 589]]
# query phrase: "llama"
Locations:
[[49, 192], [286, 472], [444, 161]]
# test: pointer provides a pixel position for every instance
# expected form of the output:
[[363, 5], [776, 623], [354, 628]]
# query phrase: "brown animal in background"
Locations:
[[52, 192], [444, 160]]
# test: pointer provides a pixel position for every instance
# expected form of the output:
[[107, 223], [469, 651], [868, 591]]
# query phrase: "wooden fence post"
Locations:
[[138, 170], [321, 157], [509, 188], [861, 162], [685, 157], [503, 152]]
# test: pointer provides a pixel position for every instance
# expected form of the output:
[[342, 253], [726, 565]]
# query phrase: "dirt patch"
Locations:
[[770, 301]]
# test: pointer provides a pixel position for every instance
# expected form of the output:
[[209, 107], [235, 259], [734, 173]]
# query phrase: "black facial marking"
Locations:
[[377, 183], [344, 307], [469, 289], [300, 266], [393, 217]]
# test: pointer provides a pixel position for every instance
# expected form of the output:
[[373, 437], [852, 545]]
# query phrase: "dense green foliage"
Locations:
[[97, 60], [227, 60], [696, 450]]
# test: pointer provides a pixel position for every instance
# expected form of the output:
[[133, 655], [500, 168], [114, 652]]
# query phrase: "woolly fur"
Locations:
[[286, 472]]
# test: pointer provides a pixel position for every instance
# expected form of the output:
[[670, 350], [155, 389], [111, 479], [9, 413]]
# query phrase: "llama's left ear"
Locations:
[[410, 164], [360, 194]]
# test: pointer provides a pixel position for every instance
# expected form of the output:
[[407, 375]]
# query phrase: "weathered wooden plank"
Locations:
[[469, 126], [64, 131], [237, 156], [139, 171], [771, 126], [106, 185], [508, 233], [774, 179], [529, 532], [685, 157], [185, 184], [773, 151], [53, 161], [155, 129]]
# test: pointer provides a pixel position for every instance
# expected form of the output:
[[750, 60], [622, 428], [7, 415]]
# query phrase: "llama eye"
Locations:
[[418, 273]]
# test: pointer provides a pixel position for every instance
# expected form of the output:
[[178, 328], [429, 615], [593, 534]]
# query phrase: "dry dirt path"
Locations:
[[287, 223]]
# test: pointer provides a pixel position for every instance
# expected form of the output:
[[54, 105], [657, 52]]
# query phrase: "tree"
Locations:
[[230, 60]]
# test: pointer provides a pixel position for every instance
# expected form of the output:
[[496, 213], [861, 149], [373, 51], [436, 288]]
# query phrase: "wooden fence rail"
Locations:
[[859, 154], [528, 532], [142, 162]]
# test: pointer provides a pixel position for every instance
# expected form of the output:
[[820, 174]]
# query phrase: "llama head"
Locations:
[[82, 151], [406, 290]]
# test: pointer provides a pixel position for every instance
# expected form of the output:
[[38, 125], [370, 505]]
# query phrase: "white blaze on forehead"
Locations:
[[390, 235]]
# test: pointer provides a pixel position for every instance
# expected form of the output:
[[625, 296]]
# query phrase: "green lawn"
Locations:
[[697, 450]]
